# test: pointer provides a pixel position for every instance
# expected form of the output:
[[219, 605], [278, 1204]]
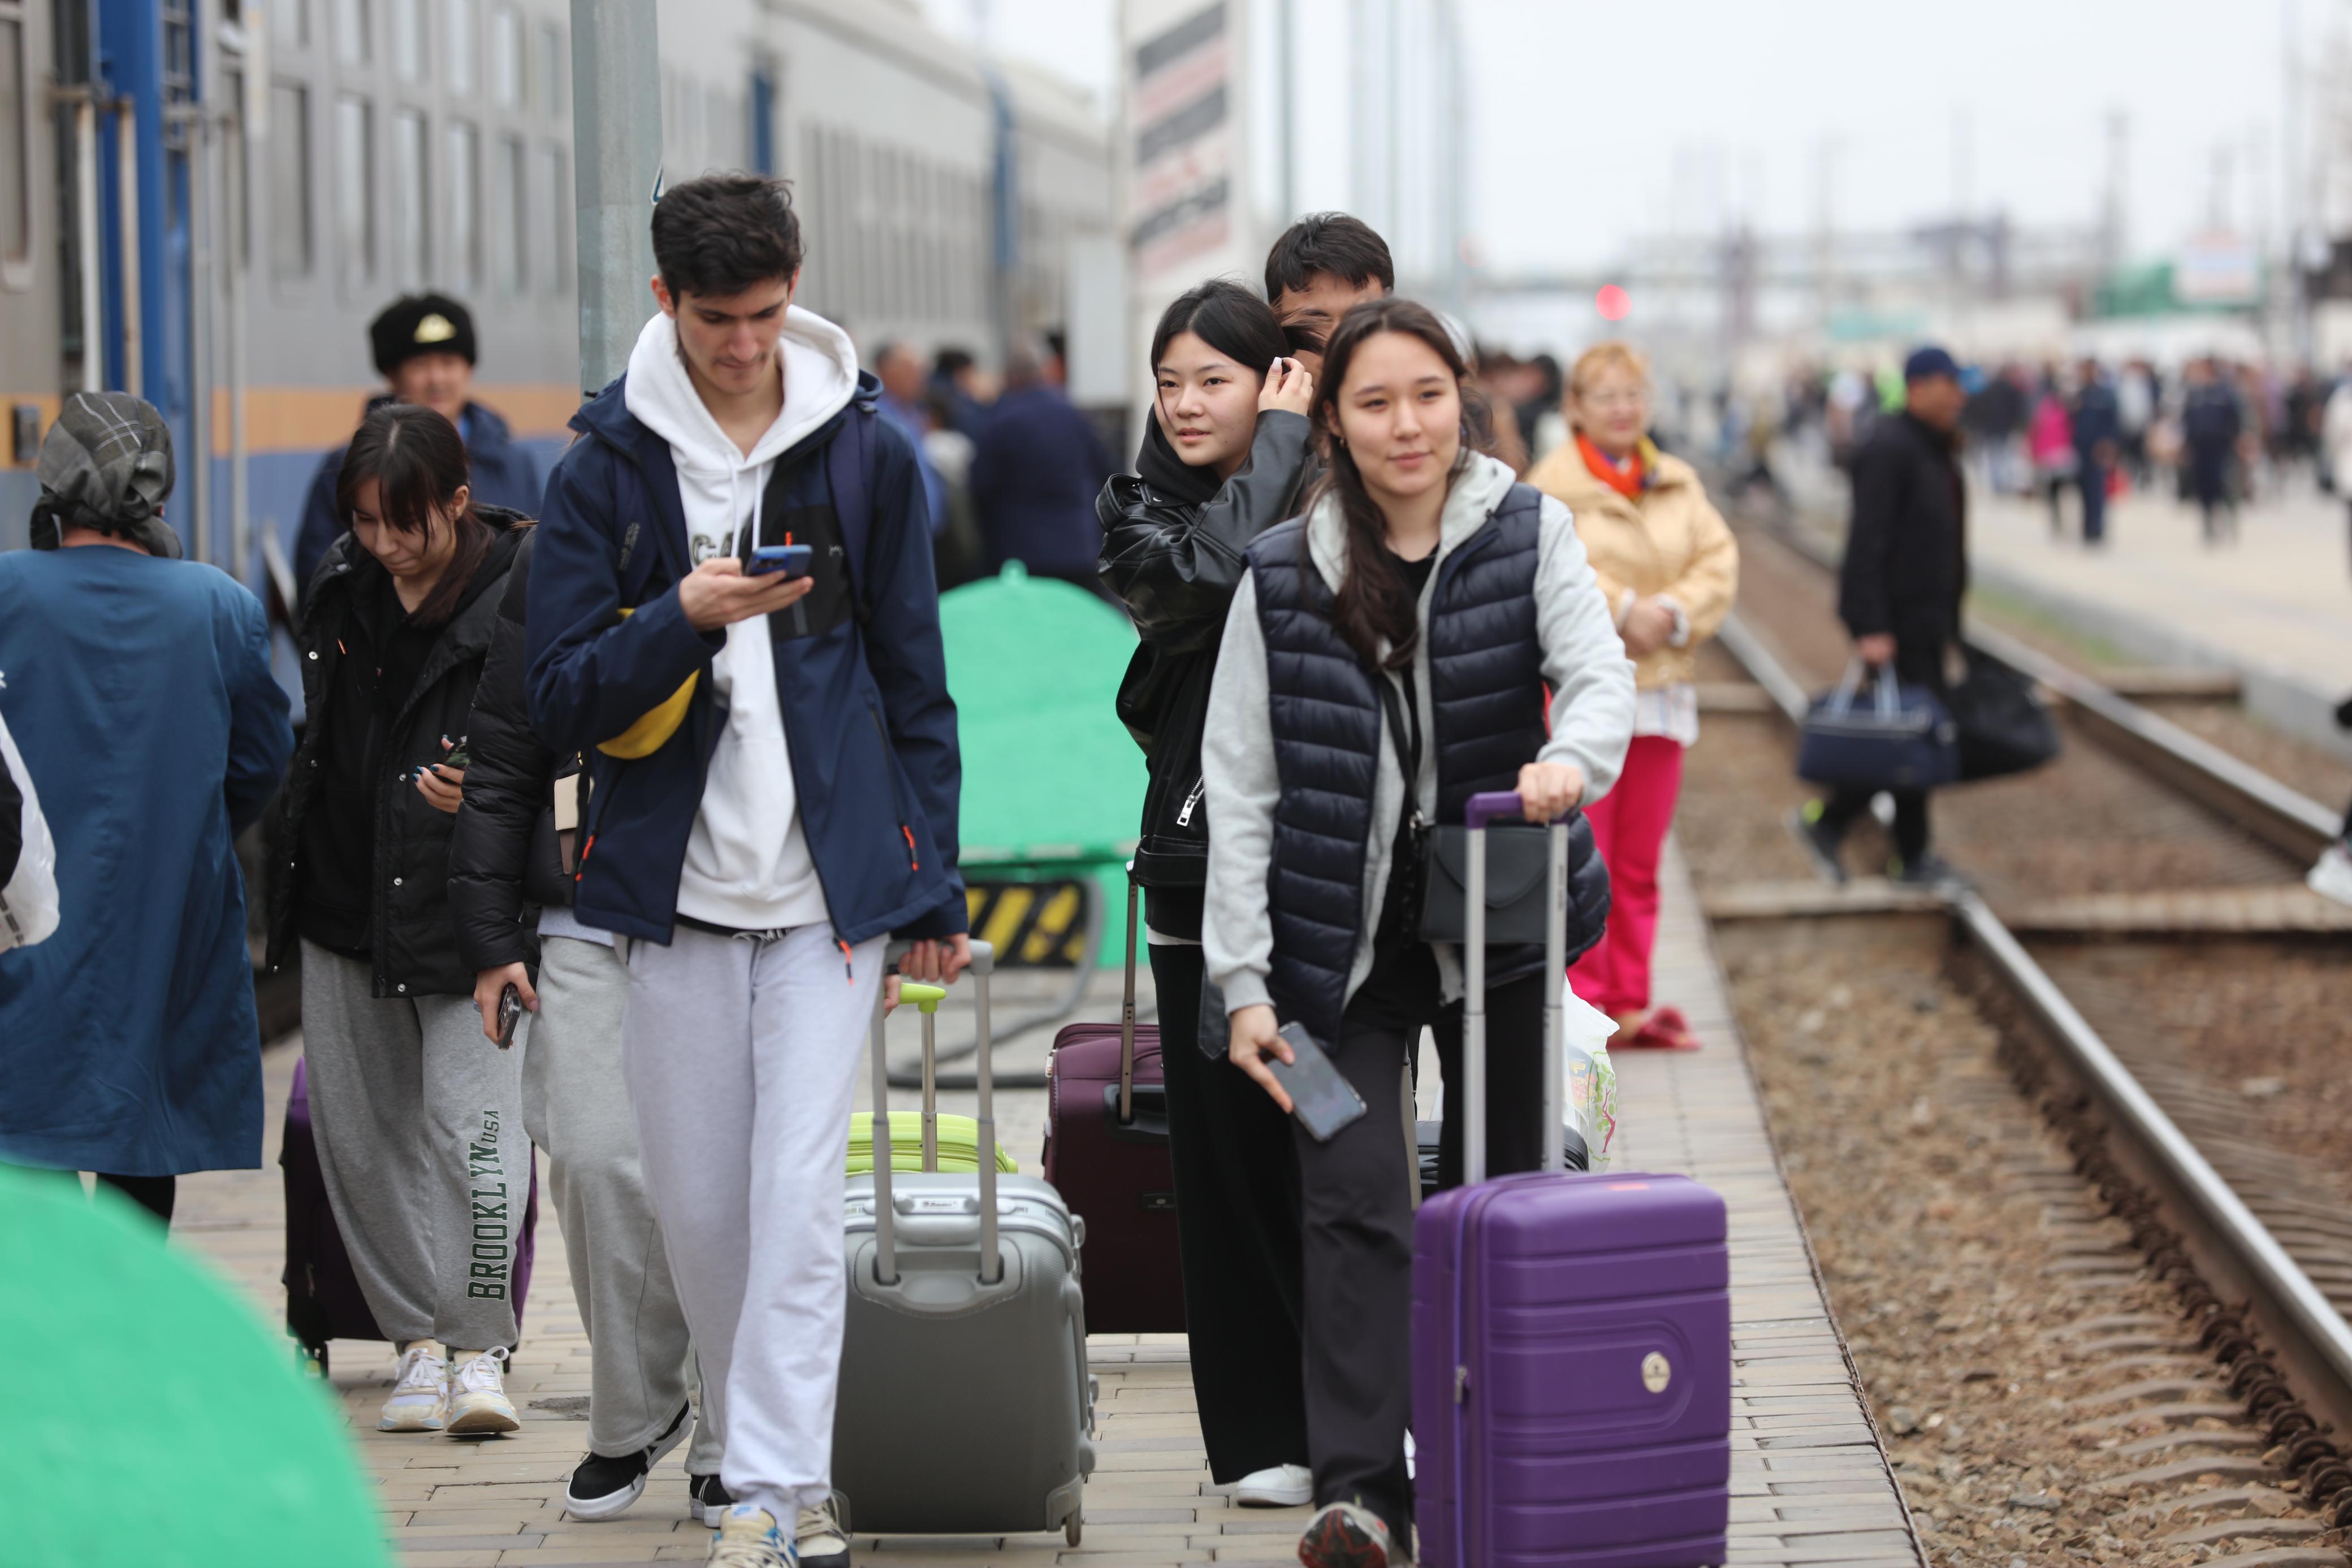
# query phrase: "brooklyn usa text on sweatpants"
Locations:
[[493, 1233]]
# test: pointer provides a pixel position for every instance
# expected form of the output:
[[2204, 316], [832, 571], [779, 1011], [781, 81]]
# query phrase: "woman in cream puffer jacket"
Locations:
[[1670, 568]]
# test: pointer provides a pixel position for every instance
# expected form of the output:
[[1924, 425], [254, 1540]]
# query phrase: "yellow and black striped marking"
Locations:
[[1040, 924]]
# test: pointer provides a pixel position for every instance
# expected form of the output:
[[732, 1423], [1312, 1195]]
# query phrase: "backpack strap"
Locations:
[[849, 467]]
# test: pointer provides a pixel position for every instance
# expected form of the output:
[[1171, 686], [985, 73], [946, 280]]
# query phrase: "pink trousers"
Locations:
[[1629, 828]]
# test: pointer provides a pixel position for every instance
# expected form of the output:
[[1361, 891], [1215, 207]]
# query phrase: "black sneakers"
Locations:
[[603, 1486], [707, 1499], [1819, 841]]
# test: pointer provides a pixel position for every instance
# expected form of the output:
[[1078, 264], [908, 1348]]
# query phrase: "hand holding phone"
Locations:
[[1321, 1095], [792, 561]]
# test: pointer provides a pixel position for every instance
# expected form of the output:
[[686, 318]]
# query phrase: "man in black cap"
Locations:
[[1899, 592], [425, 348]]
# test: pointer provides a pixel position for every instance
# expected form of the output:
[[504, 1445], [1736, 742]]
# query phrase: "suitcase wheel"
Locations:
[[1073, 1526]]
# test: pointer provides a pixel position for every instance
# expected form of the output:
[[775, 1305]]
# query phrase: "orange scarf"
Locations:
[[1629, 481]]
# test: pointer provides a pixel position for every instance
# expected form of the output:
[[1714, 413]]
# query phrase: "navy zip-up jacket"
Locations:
[[861, 677]]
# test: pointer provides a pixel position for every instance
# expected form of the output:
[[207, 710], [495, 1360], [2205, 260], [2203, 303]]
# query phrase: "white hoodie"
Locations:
[[747, 865]]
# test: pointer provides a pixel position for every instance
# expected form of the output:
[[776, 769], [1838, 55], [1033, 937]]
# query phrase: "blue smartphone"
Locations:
[[792, 561]]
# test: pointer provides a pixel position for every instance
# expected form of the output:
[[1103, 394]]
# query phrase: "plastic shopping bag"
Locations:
[[1588, 1077]]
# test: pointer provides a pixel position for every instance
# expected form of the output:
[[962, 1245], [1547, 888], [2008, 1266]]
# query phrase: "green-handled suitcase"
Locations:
[[964, 1306]]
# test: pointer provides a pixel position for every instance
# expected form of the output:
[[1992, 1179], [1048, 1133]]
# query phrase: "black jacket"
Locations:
[[412, 941], [1173, 551], [503, 859], [1906, 564]]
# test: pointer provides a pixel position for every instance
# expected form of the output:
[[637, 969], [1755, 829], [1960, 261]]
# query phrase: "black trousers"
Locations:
[[1846, 805], [156, 1195], [1237, 1230], [1358, 1203]]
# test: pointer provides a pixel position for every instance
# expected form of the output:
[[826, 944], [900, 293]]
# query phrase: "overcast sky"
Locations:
[[1584, 112]]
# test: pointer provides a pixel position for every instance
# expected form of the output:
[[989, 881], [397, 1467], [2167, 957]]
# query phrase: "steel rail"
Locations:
[[2315, 1337]]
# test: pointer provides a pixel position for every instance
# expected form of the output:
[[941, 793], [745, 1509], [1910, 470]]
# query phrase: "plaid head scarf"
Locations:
[[106, 465]]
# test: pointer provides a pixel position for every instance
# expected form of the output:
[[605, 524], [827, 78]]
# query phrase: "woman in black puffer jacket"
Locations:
[[417, 1118], [1224, 459]]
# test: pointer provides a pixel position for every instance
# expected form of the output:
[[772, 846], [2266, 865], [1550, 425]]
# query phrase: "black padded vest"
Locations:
[[1487, 693]]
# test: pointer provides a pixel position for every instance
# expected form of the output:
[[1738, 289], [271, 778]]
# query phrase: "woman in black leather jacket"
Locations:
[[1225, 458]]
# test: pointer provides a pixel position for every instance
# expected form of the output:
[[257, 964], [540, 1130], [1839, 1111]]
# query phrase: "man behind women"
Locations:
[[139, 687], [1669, 569], [1413, 541], [508, 855], [424, 349]]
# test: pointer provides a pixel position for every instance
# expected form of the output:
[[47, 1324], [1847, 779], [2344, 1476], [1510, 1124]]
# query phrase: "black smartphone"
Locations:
[[510, 1015], [1323, 1101]]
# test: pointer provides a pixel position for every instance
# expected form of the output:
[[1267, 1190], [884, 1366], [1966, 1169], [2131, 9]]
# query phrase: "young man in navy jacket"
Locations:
[[773, 784]]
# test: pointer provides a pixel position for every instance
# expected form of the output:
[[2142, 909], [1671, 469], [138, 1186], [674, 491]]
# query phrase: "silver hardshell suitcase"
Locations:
[[965, 1406]]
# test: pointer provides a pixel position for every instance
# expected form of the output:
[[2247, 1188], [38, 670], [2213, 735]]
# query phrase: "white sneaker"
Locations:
[[420, 1400], [747, 1538], [1276, 1486], [478, 1396], [818, 1540], [2331, 875]]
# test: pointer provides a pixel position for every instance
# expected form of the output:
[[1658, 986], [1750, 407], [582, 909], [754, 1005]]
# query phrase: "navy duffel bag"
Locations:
[[1903, 739]]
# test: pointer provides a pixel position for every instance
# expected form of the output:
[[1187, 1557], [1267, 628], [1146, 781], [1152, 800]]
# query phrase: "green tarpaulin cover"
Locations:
[[160, 1422]]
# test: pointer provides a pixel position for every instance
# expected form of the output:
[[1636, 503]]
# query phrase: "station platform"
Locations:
[[2275, 605], [1810, 1482]]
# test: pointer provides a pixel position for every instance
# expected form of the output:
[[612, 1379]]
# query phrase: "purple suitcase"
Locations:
[[322, 1295], [1571, 1336]]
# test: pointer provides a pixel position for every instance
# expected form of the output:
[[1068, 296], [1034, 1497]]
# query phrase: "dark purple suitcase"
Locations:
[[1114, 1170], [1571, 1343], [322, 1295]]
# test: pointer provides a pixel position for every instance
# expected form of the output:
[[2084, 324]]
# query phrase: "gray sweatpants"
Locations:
[[418, 1122], [576, 1109], [741, 1054]]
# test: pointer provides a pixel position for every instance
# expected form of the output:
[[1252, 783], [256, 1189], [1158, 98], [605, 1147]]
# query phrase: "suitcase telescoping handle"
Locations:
[[1127, 1014], [927, 999], [1481, 810]]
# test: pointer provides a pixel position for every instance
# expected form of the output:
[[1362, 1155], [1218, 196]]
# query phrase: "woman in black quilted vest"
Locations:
[[1388, 655]]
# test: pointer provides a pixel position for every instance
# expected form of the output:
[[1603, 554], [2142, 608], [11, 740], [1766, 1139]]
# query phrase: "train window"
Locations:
[[408, 39], [354, 184], [352, 32], [506, 56], [412, 235], [510, 200], [457, 34], [552, 95], [465, 206], [289, 180], [15, 159]]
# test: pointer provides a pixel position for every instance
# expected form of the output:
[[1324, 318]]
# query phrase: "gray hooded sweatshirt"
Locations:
[[1584, 662]]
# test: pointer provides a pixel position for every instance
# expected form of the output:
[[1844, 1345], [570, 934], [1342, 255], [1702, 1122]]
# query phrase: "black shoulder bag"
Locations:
[[1436, 861]]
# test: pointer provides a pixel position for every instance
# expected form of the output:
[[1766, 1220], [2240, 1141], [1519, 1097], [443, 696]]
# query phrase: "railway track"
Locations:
[[2183, 864]]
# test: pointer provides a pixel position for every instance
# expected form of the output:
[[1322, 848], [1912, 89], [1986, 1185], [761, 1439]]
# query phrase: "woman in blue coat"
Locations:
[[138, 689]]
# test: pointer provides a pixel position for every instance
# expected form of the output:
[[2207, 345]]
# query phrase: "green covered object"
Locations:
[[1053, 783], [160, 1422], [959, 1143]]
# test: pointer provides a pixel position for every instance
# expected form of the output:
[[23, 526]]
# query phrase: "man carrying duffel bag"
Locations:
[[1899, 592]]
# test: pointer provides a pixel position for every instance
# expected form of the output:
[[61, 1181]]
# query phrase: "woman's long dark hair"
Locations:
[[418, 461], [1229, 319], [1375, 604]]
